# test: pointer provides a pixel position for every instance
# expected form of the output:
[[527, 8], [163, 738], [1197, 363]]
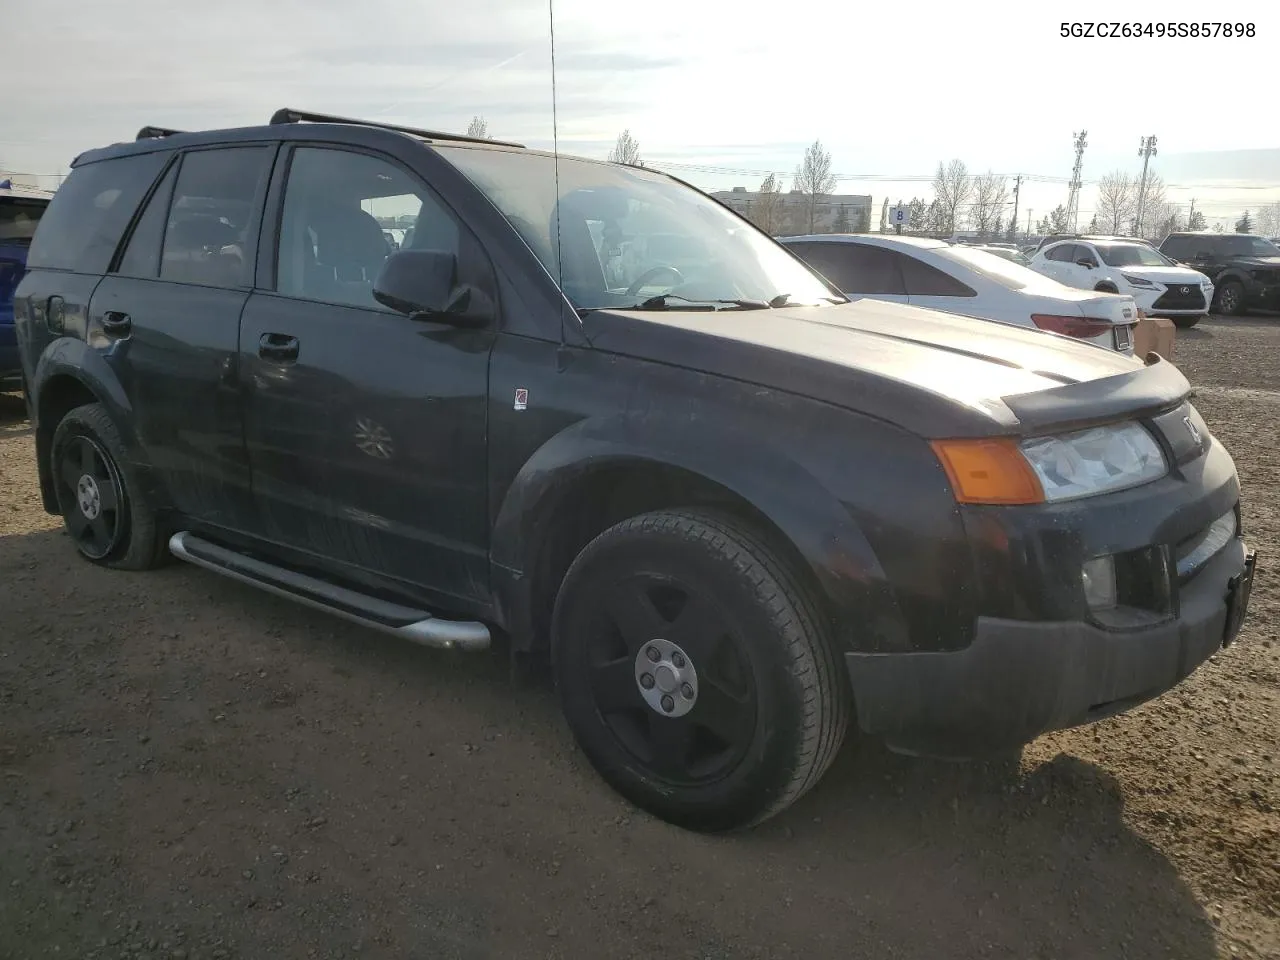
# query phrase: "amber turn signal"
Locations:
[[988, 471]]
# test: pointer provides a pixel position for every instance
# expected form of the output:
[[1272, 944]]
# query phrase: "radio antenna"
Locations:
[[555, 153]]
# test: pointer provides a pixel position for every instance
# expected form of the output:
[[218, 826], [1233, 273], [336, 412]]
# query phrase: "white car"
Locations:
[[967, 281], [1158, 285]]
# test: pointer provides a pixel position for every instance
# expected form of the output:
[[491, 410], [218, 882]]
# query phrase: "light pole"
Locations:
[[1146, 150]]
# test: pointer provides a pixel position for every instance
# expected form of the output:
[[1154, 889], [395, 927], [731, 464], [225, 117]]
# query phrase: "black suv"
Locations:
[[1245, 269], [732, 507]]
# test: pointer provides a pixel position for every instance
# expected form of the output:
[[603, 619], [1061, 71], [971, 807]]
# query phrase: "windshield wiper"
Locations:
[[706, 303]]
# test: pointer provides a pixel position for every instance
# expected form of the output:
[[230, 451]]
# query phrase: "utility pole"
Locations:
[[1017, 187], [1191, 214], [1073, 198], [1146, 150], [1028, 223]]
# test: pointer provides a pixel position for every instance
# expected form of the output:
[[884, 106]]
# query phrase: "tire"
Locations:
[[1230, 298], [725, 613], [1106, 288], [1186, 323], [100, 496]]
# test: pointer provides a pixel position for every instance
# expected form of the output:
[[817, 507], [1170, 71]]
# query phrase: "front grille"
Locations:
[[1181, 296]]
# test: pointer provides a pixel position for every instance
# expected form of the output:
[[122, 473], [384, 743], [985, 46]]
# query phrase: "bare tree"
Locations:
[[814, 179], [952, 186], [478, 128], [1117, 201], [1154, 204], [1196, 221], [917, 216], [766, 210], [626, 150], [987, 207], [1269, 220]]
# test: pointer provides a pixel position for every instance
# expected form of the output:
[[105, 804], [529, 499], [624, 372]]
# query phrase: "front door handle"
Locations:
[[278, 347], [116, 323]]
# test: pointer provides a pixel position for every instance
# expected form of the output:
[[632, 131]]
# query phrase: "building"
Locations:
[[852, 210]]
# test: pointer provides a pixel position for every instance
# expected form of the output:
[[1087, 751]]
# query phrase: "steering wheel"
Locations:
[[640, 281]]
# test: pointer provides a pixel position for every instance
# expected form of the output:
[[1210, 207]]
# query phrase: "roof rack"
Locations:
[[153, 133], [289, 115]]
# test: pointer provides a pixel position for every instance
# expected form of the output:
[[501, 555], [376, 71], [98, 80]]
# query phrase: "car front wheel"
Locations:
[[1231, 298], [695, 670]]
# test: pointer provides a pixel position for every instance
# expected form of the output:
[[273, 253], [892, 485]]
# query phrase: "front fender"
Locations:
[[751, 466]]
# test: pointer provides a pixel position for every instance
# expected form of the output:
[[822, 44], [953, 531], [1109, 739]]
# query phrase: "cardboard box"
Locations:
[[1153, 334]]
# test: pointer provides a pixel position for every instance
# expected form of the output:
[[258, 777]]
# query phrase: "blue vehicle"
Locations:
[[20, 211]]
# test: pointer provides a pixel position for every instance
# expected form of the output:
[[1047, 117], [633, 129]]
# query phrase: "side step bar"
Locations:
[[417, 626]]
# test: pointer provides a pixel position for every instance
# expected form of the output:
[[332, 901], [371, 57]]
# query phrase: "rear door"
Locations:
[[367, 431], [856, 269], [1060, 263], [168, 316]]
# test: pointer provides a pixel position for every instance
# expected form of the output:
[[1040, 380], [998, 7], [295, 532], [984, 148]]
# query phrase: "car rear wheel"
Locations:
[[1231, 298], [99, 495], [695, 671]]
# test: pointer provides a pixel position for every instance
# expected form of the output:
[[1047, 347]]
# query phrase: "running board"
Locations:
[[416, 626]]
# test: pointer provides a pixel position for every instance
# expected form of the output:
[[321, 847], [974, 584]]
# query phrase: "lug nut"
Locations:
[[667, 703], [653, 654], [646, 680], [687, 690], [678, 660]]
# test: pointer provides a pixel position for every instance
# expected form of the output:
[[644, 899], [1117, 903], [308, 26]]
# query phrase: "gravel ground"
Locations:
[[189, 768]]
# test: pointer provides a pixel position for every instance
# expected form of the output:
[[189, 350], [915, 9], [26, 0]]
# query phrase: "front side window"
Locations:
[[344, 214], [207, 239], [1248, 247], [1131, 255], [88, 215], [613, 236]]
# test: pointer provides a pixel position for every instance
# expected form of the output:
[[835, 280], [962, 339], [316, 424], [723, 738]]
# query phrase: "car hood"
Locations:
[[933, 373], [1167, 275]]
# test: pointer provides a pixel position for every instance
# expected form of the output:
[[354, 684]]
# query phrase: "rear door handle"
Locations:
[[278, 347], [116, 323]]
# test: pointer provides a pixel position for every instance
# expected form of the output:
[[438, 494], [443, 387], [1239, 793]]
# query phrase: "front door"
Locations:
[[168, 318], [366, 430]]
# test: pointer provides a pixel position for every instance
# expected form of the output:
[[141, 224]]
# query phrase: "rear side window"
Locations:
[[89, 213], [18, 218], [208, 237], [923, 280], [1063, 254]]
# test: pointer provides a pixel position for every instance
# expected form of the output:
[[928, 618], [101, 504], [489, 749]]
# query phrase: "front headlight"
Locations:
[[1137, 281], [1094, 461]]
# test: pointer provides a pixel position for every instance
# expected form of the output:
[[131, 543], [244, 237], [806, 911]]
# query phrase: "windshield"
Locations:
[[1132, 255], [18, 219], [1250, 247], [628, 234], [993, 266]]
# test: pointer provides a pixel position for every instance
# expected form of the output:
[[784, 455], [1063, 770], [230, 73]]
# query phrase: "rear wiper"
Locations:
[[705, 303]]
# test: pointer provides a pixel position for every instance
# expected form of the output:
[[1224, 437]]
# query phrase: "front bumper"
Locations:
[[1019, 678]]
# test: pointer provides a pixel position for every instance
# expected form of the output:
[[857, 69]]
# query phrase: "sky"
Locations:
[[717, 93]]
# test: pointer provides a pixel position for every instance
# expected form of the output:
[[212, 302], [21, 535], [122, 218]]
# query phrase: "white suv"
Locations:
[[1158, 285]]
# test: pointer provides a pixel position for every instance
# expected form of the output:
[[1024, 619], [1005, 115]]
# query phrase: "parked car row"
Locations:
[[968, 281]]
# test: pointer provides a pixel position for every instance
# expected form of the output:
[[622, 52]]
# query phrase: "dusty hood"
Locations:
[[930, 372]]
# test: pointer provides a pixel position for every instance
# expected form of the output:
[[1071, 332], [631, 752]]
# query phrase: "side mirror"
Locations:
[[1086, 263], [423, 285]]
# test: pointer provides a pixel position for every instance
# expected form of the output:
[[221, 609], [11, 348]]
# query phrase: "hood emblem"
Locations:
[[1186, 289], [1191, 429]]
